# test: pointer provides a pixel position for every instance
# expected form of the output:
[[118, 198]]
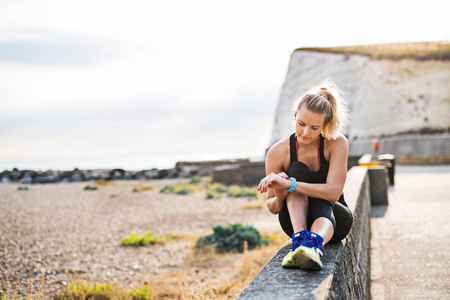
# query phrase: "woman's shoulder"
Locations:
[[339, 143], [280, 148], [278, 157]]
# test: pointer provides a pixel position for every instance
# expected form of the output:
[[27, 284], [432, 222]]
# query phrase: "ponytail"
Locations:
[[326, 98]]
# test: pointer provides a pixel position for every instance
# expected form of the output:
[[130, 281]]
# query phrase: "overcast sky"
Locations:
[[137, 84]]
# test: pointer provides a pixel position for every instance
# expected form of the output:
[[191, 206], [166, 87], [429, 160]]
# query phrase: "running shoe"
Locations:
[[308, 255], [288, 261]]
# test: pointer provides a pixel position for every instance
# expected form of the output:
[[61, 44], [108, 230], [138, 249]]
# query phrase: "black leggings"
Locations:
[[337, 212]]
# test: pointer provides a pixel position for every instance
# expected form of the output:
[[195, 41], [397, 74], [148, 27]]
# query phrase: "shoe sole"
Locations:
[[305, 258], [289, 264]]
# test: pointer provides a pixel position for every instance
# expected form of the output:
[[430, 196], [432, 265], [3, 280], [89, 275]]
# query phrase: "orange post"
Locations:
[[376, 145]]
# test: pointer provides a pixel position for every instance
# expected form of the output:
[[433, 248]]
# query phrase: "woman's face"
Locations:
[[308, 125]]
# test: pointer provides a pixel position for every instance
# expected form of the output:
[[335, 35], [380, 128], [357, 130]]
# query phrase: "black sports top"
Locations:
[[321, 175]]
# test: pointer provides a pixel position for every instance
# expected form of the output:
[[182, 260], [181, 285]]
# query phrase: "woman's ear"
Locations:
[[295, 115]]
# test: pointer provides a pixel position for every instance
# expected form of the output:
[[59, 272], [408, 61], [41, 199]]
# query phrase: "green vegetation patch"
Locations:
[[137, 240], [211, 194], [215, 191], [237, 191], [232, 238], [218, 187], [195, 179], [149, 238], [178, 188], [79, 289], [22, 188], [90, 188]]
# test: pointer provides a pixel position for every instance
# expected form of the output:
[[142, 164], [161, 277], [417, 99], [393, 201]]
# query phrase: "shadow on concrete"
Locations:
[[378, 211]]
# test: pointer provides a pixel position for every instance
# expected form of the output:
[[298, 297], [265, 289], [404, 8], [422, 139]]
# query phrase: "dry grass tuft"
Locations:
[[143, 188], [257, 205], [102, 182], [206, 274], [419, 51], [14, 295]]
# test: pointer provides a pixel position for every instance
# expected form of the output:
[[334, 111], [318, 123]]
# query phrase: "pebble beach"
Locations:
[[64, 232]]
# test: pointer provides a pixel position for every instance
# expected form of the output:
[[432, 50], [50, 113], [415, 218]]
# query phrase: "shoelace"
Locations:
[[305, 236], [297, 242], [308, 237]]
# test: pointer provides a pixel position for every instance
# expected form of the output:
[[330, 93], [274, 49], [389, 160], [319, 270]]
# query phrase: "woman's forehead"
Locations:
[[310, 117]]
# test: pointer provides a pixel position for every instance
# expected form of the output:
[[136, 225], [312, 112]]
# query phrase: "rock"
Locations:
[[77, 175], [28, 178], [6, 179], [117, 174], [15, 175]]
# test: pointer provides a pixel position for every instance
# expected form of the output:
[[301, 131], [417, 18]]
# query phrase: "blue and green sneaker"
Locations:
[[288, 260], [307, 251]]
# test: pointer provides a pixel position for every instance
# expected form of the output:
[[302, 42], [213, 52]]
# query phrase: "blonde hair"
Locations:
[[326, 98]]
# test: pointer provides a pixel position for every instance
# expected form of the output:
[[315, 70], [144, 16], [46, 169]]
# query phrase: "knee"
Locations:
[[299, 171], [319, 208]]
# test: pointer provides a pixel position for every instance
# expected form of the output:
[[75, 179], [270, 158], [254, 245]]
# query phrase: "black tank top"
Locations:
[[321, 175]]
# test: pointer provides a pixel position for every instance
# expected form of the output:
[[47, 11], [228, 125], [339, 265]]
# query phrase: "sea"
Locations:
[[129, 163]]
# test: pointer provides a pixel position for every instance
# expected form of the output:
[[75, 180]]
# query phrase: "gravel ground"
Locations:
[[62, 231]]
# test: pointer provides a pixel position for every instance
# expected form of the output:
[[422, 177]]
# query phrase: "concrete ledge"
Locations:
[[246, 173], [346, 273], [378, 185]]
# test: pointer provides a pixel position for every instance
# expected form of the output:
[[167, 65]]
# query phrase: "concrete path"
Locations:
[[410, 257]]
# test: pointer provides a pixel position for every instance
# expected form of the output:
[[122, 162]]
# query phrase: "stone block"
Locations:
[[229, 174], [378, 177], [245, 173]]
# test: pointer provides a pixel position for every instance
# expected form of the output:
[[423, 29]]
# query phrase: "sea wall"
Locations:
[[346, 273], [413, 148]]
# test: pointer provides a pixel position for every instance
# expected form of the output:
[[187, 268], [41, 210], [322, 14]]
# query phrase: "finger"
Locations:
[[261, 185], [283, 175], [264, 187]]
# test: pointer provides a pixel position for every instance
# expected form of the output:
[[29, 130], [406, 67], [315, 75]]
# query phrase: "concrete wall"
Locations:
[[346, 273], [245, 173], [431, 148]]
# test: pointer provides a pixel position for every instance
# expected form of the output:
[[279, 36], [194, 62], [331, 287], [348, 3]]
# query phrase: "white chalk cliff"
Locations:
[[386, 97]]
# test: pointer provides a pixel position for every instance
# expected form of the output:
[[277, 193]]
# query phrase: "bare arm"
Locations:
[[332, 189], [274, 165]]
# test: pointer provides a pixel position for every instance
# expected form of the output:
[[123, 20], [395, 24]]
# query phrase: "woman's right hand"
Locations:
[[276, 196], [281, 193], [276, 182]]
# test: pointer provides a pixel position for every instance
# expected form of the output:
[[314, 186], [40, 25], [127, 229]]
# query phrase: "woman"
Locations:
[[306, 174]]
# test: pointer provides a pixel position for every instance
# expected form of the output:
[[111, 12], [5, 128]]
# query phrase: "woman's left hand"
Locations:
[[274, 181]]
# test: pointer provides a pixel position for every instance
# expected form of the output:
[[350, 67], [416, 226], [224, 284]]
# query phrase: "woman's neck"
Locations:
[[311, 146]]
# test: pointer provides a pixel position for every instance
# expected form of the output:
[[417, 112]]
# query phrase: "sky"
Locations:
[[142, 84]]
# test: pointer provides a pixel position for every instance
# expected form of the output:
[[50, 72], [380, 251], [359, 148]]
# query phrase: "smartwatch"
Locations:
[[293, 184]]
